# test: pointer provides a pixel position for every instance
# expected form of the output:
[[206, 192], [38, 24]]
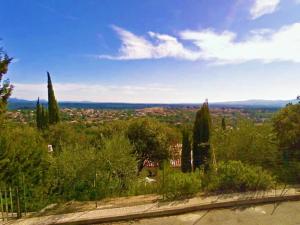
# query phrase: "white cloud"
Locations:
[[264, 45], [262, 7], [137, 47], [261, 45], [97, 93]]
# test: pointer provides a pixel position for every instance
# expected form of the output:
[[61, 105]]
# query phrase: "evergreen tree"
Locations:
[[5, 86], [53, 109], [186, 152], [223, 123], [44, 118], [38, 114], [201, 136]]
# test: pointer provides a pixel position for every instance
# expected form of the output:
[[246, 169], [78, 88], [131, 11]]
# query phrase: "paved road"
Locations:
[[286, 213]]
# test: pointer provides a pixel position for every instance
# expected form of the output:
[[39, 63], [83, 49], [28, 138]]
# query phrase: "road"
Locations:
[[286, 213]]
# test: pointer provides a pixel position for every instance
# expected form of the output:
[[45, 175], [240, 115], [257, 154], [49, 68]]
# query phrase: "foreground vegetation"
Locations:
[[96, 161]]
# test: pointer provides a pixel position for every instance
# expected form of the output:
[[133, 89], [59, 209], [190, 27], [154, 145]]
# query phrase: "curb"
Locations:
[[181, 210]]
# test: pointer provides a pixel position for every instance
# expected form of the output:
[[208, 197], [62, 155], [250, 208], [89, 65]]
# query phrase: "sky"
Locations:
[[153, 51]]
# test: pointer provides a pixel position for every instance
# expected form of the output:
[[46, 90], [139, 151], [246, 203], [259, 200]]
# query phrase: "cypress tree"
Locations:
[[223, 123], [201, 137], [53, 110], [205, 137], [38, 114], [186, 152], [44, 118], [196, 140]]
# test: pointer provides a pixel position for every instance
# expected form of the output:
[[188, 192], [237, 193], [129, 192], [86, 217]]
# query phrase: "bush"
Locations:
[[249, 143], [289, 172], [86, 173], [236, 176], [176, 185]]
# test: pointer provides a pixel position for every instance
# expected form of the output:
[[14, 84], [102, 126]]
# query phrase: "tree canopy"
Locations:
[[287, 127], [150, 141], [5, 86]]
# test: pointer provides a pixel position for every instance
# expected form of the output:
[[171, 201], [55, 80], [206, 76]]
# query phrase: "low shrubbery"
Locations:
[[175, 184], [231, 176], [236, 176]]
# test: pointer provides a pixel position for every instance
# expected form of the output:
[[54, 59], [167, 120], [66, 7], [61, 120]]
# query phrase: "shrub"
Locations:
[[248, 143], [289, 172], [236, 176], [176, 185], [85, 173]]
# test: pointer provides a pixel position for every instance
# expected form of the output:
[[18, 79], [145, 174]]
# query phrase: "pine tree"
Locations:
[[38, 115], [186, 152], [201, 138], [223, 123], [53, 109]]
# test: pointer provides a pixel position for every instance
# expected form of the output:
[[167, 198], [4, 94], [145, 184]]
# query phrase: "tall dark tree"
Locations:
[[53, 110], [201, 138], [44, 118], [38, 114], [5, 86], [223, 123], [186, 165]]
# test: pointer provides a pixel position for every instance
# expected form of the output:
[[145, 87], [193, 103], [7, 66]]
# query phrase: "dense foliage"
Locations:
[[5, 86], [201, 138], [186, 165], [150, 140], [91, 161], [176, 185], [287, 128], [236, 176], [248, 142]]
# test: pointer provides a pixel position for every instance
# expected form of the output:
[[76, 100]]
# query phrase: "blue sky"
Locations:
[[167, 51]]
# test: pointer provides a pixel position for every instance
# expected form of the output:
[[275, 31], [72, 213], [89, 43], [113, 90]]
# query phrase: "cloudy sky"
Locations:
[[169, 51]]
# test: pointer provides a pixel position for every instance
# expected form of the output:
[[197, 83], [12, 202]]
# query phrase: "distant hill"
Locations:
[[15, 103], [258, 103]]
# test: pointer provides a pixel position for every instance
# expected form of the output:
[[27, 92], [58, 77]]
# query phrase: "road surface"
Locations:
[[285, 213]]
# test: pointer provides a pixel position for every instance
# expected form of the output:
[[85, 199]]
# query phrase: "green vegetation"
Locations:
[[5, 86], [287, 128], [57, 161], [150, 140], [176, 185], [201, 138], [186, 165], [236, 176], [53, 110]]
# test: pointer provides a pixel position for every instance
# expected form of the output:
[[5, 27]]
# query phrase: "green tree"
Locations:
[[53, 109], [248, 142], [5, 86], [201, 138], [24, 164], [44, 118], [186, 152], [287, 127], [223, 123], [150, 141], [85, 173], [38, 114]]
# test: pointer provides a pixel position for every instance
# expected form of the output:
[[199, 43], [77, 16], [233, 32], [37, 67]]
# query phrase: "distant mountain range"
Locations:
[[15, 103]]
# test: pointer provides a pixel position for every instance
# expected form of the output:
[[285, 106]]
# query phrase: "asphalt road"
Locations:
[[286, 213]]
